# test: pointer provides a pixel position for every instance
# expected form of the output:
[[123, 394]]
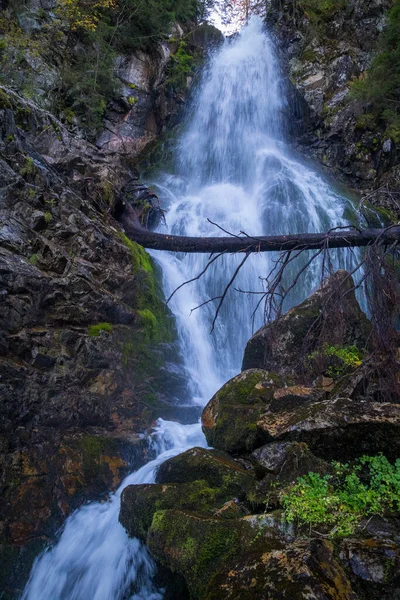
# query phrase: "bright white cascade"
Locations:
[[233, 168]]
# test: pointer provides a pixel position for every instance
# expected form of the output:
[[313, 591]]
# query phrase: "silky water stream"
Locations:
[[233, 168]]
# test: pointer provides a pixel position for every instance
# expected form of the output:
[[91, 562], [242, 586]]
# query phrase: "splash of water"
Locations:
[[234, 169]]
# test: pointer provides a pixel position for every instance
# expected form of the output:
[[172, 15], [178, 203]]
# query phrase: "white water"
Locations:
[[94, 558], [235, 169]]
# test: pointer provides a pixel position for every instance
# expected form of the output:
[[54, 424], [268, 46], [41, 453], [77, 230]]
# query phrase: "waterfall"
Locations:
[[234, 168]]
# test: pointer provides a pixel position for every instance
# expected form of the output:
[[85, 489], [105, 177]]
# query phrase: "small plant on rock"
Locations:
[[96, 330], [338, 503]]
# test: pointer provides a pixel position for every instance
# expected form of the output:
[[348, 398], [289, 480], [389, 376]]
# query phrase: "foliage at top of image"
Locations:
[[380, 89], [338, 503], [83, 14], [81, 40]]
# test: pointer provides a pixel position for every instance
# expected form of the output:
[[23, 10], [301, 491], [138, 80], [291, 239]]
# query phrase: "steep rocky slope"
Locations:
[[85, 337], [88, 353], [264, 515], [325, 47]]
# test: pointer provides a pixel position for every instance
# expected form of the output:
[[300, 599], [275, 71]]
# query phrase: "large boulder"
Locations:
[[331, 315], [198, 480], [306, 569], [198, 548], [230, 418], [197, 463], [254, 409], [338, 429]]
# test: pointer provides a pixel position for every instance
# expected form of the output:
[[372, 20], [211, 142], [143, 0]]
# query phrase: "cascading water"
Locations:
[[233, 168]]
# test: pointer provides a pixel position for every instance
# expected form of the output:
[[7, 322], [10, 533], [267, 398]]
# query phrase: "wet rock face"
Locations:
[[148, 103], [87, 348], [230, 418], [324, 51]]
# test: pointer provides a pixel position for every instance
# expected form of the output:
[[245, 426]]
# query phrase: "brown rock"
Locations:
[[331, 314]]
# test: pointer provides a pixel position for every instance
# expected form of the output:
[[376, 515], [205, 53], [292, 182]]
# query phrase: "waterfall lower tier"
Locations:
[[95, 558]]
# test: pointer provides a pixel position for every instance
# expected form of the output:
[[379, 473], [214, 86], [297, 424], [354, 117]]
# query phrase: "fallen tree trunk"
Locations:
[[303, 241]]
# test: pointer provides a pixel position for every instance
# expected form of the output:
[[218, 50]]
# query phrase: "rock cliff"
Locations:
[[325, 47], [88, 353]]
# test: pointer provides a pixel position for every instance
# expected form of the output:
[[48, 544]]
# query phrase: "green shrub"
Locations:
[[336, 360], [180, 68], [95, 330], [339, 502], [29, 169]]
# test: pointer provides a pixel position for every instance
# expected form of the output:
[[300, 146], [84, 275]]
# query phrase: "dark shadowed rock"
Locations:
[[209, 465], [338, 429], [332, 315], [301, 570]]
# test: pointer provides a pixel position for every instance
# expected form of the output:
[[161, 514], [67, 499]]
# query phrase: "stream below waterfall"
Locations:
[[234, 168]]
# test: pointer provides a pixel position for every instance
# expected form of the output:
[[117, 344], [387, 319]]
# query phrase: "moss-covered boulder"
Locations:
[[198, 548], [139, 503], [217, 468], [230, 418], [331, 315], [199, 480], [306, 569]]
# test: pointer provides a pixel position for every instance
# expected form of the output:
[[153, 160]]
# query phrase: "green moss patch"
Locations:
[[96, 330]]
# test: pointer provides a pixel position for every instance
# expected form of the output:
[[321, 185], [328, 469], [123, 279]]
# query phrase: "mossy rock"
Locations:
[[230, 418], [278, 465], [197, 547], [216, 468], [306, 569], [139, 503], [338, 428], [331, 315]]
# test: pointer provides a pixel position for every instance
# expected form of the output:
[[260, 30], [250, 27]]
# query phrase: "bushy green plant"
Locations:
[[348, 357], [336, 360], [339, 502], [181, 67]]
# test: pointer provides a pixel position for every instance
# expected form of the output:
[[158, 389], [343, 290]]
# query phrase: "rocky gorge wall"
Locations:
[[88, 353], [325, 47]]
